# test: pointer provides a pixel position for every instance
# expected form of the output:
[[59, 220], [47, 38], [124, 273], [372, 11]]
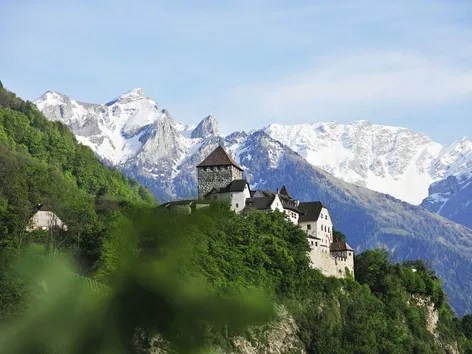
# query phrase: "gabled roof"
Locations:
[[284, 191], [312, 211], [339, 246], [219, 157], [261, 203], [237, 185], [287, 202]]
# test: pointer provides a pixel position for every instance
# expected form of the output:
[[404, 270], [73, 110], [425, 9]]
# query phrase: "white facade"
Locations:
[[320, 239], [45, 220], [276, 204], [236, 199]]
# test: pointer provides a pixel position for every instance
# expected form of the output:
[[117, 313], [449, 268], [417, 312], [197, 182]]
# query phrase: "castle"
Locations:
[[221, 178]]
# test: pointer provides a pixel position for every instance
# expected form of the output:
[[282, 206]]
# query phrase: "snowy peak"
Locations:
[[206, 128], [135, 94], [454, 159], [51, 98], [120, 130], [387, 159]]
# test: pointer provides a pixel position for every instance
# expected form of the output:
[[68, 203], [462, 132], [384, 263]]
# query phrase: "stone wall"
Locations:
[[215, 177]]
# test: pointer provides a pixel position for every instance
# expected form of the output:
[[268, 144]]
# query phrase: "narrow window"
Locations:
[[316, 243], [326, 217], [237, 205], [312, 243], [308, 226]]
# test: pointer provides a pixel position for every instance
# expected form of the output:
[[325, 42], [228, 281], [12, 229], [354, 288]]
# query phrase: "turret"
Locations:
[[217, 171]]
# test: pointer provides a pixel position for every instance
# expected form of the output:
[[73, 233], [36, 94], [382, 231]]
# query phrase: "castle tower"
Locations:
[[217, 171]]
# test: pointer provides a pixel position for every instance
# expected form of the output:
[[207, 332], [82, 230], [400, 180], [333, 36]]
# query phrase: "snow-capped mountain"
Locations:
[[391, 160], [131, 127], [133, 133], [145, 142], [451, 197]]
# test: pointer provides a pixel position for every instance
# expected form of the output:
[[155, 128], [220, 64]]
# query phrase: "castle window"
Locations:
[[308, 227], [237, 205], [350, 254], [322, 216], [316, 243], [329, 229], [312, 243], [326, 217]]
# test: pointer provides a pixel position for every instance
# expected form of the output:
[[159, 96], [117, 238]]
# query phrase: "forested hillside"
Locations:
[[207, 283], [213, 281], [41, 162]]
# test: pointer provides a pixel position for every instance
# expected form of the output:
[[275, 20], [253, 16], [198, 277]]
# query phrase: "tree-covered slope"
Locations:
[[372, 219], [42, 163], [189, 280]]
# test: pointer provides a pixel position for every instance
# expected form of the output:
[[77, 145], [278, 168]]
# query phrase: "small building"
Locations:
[[236, 193], [43, 218], [331, 258], [343, 255], [281, 200]]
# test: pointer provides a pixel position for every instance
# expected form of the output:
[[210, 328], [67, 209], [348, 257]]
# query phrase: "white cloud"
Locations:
[[391, 78]]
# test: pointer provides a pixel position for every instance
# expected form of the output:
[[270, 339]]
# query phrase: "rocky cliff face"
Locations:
[[206, 128], [280, 336]]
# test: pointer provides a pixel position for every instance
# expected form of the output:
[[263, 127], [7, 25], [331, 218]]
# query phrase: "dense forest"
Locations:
[[126, 272], [41, 162]]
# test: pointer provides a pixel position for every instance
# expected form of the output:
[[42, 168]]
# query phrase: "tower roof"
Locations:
[[219, 157]]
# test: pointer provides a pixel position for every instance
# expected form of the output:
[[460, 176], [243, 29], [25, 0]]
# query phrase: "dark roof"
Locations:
[[284, 191], [237, 185], [177, 202], [219, 157], [261, 203], [42, 207], [188, 202], [312, 210], [339, 246], [287, 202]]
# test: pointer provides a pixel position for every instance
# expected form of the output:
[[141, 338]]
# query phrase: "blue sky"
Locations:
[[252, 62]]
